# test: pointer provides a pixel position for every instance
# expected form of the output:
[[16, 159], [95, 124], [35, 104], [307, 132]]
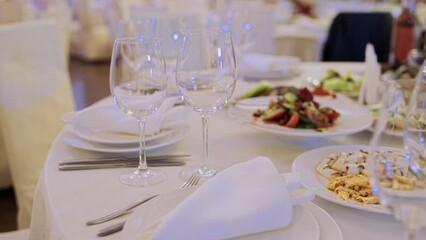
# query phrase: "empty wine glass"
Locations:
[[239, 23], [205, 77], [415, 149], [399, 175], [139, 91]]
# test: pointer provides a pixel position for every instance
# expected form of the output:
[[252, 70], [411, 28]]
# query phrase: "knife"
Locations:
[[118, 165], [102, 160]]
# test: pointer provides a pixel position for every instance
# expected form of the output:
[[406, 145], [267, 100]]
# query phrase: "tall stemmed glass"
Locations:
[[399, 177], [415, 149], [205, 77], [139, 92]]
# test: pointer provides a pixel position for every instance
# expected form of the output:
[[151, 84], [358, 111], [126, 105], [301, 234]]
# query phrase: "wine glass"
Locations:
[[205, 78], [239, 23], [138, 85], [399, 176]]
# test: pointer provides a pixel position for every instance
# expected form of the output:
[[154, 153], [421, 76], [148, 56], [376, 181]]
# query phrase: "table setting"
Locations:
[[153, 170]]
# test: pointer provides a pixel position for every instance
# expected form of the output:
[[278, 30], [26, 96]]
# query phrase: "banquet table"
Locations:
[[66, 200]]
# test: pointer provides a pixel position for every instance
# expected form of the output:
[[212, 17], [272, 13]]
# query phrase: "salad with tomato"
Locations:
[[296, 108]]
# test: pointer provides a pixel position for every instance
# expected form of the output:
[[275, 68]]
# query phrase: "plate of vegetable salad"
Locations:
[[298, 112], [344, 82]]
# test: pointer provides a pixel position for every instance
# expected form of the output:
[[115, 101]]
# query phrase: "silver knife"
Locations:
[[118, 165], [102, 160], [119, 213]]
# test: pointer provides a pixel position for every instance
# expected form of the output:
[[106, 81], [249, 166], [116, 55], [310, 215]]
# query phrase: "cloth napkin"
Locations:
[[108, 117], [249, 197], [370, 88], [265, 62]]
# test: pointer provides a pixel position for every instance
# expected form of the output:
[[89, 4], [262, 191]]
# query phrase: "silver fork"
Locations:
[[192, 181]]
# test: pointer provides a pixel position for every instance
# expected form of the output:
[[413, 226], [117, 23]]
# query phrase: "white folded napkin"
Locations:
[[370, 88], [108, 117], [249, 197], [265, 62]]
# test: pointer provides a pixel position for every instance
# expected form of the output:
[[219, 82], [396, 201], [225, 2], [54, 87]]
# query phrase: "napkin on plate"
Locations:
[[267, 63], [108, 117], [249, 197], [369, 92]]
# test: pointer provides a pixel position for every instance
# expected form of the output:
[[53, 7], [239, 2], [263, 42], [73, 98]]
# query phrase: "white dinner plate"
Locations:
[[145, 219], [253, 74], [353, 118], [329, 230], [116, 138], [306, 164], [180, 131]]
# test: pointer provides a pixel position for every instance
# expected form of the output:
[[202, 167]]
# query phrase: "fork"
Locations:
[[192, 181]]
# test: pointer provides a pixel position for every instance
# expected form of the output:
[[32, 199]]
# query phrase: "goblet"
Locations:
[[205, 78], [138, 85], [399, 176]]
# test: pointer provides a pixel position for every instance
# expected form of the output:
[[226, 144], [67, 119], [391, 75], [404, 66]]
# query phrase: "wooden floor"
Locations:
[[89, 84]]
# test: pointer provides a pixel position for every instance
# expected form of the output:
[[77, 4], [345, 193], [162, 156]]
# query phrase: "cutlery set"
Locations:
[[121, 162], [192, 181]]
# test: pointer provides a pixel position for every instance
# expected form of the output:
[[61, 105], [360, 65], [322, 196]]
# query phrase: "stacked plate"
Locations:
[[105, 128], [309, 220]]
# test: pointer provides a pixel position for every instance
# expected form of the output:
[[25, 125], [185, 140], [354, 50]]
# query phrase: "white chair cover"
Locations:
[[5, 178], [11, 11], [22, 234], [34, 92]]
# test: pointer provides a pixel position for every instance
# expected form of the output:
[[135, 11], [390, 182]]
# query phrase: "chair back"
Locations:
[[35, 91], [350, 32]]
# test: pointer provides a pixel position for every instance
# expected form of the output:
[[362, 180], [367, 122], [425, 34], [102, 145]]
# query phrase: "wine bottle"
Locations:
[[405, 31]]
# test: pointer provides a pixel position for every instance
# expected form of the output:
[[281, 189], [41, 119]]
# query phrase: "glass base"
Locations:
[[205, 171], [139, 178]]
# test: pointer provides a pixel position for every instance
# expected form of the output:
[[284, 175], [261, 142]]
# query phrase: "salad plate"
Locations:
[[307, 164], [179, 132], [353, 118], [305, 220], [343, 78]]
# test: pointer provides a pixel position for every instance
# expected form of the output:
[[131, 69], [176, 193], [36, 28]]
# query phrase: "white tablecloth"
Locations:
[[66, 200]]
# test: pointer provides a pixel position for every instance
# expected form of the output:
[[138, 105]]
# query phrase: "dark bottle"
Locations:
[[422, 40], [405, 31]]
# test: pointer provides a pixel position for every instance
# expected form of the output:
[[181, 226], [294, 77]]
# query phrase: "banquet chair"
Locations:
[[34, 92], [350, 32], [90, 35]]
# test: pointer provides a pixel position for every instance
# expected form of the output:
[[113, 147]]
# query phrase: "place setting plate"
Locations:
[[307, 163], [254, 74], [175, 133], [309, 221], [353, 118], [103, 136]]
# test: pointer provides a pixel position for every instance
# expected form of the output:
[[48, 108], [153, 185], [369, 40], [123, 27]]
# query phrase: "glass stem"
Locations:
[[142, 156], [410, 218], [410, 233], [205, 124]]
